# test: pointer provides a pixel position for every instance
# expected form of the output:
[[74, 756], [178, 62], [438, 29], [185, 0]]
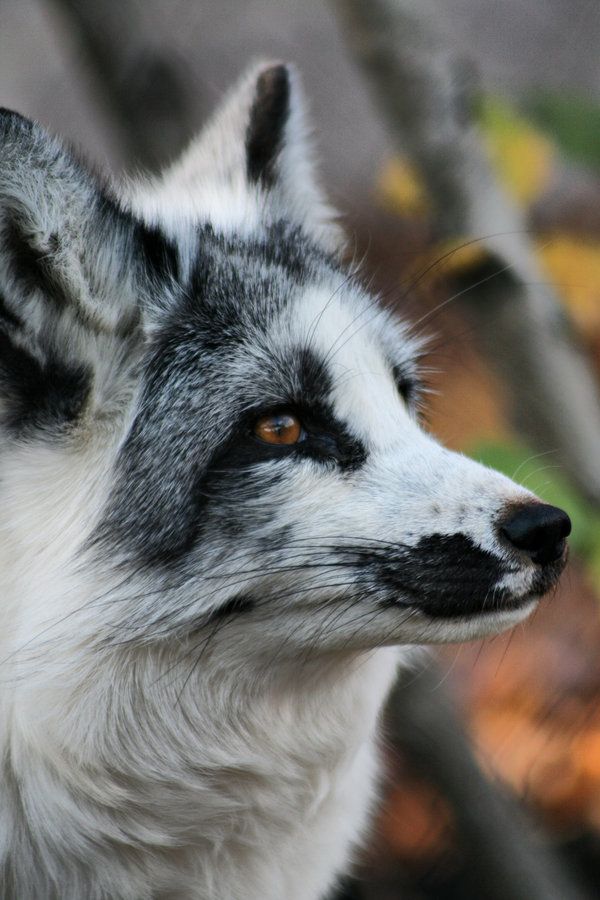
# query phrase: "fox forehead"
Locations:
[[273, 320], [366, 353]]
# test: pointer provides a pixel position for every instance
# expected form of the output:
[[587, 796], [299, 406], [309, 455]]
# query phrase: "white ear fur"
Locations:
[[71, 267], [60, 236], [251, 163]]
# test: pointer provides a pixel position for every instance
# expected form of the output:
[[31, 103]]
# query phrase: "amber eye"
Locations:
[[279, 428]]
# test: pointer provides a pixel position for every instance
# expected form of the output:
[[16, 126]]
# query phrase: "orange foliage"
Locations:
[[416, 823]]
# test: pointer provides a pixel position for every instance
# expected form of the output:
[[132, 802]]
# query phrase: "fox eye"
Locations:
[[406, 390], [405, 383], [279, 428]]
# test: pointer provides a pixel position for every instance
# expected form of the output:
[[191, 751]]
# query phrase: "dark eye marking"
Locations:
[[320, 437], [406, 383]]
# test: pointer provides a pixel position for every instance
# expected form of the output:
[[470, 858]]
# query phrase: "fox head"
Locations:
[[204, 408]]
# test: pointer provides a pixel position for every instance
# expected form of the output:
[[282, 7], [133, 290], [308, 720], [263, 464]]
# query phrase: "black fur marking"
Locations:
[[208, 488], [325, 439], [30, 266], [289, 248], [221, 257], [233, 607], [10, 318], [9, 118], [447, 575], [159, 255], [275, 541], [266, 128], [48, 395], [234, 283]]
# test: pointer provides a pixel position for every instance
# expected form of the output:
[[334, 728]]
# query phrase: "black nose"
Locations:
[[538, 529]]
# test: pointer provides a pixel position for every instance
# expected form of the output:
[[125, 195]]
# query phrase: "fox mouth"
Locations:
[[492, 601], [452, 578], [468, 605]]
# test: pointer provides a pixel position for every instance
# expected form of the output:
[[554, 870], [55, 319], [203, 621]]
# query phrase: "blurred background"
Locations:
[[493, 750]]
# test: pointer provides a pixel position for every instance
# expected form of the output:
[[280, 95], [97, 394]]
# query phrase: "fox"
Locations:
[[224, 527]]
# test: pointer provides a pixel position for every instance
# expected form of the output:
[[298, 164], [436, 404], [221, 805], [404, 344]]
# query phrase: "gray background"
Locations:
[[518, 45]]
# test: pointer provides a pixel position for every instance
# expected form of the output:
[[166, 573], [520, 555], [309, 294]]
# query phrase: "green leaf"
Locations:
[[572, 121]]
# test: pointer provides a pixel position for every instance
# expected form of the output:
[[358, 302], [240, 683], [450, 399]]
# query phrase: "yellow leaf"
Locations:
[[401, 189], [521, 155], [573, 265]]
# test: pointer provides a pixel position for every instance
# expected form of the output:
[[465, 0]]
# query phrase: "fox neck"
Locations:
[[173, 772]]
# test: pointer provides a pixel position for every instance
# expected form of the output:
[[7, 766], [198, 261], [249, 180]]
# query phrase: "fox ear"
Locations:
[[256, 153], [69, 314]]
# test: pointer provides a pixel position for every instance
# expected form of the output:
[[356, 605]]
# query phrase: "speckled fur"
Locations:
[[198, 633]]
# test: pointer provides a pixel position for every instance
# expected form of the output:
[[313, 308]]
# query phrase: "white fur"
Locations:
[[129, 775]]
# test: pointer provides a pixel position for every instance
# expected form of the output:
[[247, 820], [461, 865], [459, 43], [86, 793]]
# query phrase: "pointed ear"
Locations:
[[256, 149], [69, 314]]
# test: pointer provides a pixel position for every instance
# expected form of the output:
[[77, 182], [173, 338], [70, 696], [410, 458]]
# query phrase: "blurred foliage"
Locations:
[[524, 147], [573, 264], [401, 190], [522, 156], [573, 123]]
